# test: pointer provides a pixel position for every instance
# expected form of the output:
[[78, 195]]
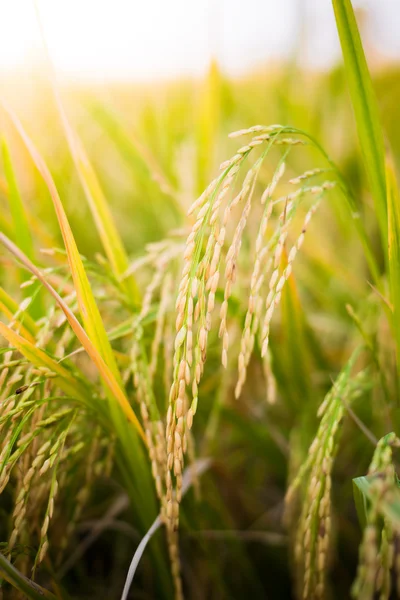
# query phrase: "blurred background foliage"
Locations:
[[154, 148]]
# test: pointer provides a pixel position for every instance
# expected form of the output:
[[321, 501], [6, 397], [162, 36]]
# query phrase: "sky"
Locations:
[[153, 39]]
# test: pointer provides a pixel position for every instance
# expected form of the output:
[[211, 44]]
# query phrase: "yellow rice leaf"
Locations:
[[104, 370], [87, 305], [102, 215], [22, 232], [70, 386], [393, 200], [25, 323]]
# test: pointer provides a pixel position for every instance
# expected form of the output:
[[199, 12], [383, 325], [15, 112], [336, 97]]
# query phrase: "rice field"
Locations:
[[200, 335]]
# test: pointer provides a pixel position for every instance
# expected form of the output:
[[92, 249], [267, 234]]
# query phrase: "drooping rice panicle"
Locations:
[[168, 354], [231, 267], [44, 541], [260, 271], [150, 414], [307, 175], [377, 549], [23, 488], [313, 531], [238, 256], [386, 555], [255, 129], [271, 385], [278, 280], [160, 256], [165, 296], [83, 493], [198, 285], [201, 278], [153, 285]]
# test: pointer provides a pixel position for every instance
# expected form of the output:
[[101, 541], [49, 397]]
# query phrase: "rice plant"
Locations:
[[190, 385]]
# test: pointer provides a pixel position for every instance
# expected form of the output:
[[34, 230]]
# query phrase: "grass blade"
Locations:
[[93, 337], [136, 154], [297, 351], [10, 308], [21, 230], [22, 234], [364, 106], [29, 588], [393, 202], [102, 215], [104, 370], [209, 117], [68, 384], [87, 305], [362, 495], [197, 469], [360, 484]]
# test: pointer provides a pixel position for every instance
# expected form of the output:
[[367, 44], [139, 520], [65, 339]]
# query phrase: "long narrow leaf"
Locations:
[[197, 469], [393, 201], [102, 215], [104, 370], [364, 105], [362, 494], [136, 154], [10, 308], [29, 588], [87, 305], [22, 234]]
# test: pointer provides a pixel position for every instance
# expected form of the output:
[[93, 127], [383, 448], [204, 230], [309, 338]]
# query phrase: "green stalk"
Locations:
[[365, 108], [23, 584]]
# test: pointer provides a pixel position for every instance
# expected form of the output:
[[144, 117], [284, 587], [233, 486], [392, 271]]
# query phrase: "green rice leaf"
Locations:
[[364, 106], [362, 496], [101, 212], [87, 305], [393, 200], [360, 487], [22, 234], [9, 307], [112, 386], [29, 588]]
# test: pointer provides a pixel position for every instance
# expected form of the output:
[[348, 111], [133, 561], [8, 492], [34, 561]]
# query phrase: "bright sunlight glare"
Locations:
[[125, 39]]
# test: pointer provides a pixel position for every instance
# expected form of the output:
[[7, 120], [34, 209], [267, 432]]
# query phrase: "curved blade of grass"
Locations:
[[351, 201], [87, 305], [297, 352], [362, 495], [22, 233], [393, 202], [10, 307], [134, 152], [104, 370], [209, 116], [364, 106], [17, 323], [97, 346], [360, 485], [64, 380], [198, 468], [102, 215], [29, 588], [121, 330]]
